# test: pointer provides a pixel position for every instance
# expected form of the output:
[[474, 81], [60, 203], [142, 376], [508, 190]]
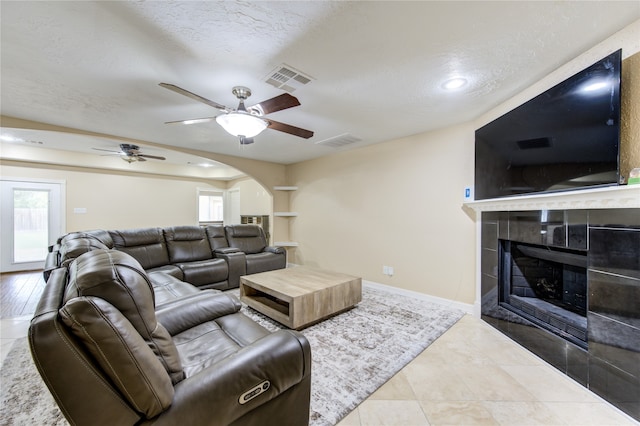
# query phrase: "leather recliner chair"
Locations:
[[251, 240], [110, 356]]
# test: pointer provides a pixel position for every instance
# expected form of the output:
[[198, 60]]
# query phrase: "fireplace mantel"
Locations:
[[610, 197]]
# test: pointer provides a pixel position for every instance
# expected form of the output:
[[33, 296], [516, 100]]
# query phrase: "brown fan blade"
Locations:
[[108, 150], [191, 95], [191, 120], [154, 157], [287, 128], [278, 103]]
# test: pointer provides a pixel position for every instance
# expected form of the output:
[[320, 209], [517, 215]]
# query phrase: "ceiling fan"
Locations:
[[130, 153], [245, 122]]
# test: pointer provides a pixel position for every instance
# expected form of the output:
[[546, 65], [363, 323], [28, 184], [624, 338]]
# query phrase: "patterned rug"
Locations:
[[353, 354]]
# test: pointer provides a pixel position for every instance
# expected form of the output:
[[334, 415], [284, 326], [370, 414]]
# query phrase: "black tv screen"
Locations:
[[566, 138]]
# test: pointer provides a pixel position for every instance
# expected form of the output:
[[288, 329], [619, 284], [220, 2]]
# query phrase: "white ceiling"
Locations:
[[377, 67]]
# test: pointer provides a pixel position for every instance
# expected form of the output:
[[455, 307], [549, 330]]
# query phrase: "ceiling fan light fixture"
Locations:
[[242, 123]]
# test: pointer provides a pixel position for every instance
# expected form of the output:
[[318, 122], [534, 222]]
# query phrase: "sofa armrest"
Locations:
[[282, 358], [275, 249], [237, 263], [226, 250], [187, 312]]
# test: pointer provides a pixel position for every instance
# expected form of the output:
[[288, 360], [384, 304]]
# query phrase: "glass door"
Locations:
[[31, 221]]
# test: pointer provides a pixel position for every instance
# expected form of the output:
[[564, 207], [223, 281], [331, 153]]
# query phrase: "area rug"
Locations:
[[353, 354]]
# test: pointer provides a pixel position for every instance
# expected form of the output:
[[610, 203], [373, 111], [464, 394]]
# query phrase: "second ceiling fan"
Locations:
[[246, 122]]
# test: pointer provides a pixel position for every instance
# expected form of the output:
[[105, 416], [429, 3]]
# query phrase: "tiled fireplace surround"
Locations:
[[604, 226]]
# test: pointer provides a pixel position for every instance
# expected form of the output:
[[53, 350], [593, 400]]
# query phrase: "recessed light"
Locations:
[[454, 83]]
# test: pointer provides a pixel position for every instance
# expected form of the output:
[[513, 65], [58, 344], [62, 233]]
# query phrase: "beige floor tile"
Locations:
[[588, 414], [457, 413], [547, 384], [437, 382], [391, 413], [510, 413], [491, 383], [459, 351], [352, 419], [397, 388]]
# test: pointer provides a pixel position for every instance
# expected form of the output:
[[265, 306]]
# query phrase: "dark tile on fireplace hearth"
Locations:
[[615, 296], [578, 364], [547, 346], [503, 225], [614, 342], [616, 386], [615, 218], [489, 262], [489, 235], [525, 227], [615, 250], [577, 229]]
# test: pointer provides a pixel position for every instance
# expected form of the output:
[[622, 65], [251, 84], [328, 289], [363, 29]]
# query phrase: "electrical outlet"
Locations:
[[387, 270]]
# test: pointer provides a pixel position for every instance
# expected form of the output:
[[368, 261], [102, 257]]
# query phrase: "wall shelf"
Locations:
[[285, 214], [286, 244], [285, 188]]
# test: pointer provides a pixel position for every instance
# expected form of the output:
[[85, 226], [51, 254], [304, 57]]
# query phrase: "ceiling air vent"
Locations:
[[287, 78], [340, 140]]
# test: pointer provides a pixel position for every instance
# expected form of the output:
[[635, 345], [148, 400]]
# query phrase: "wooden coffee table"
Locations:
[[300, 296]]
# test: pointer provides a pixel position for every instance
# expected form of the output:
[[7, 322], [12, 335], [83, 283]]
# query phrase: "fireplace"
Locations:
[[565, 284], [546, 286]]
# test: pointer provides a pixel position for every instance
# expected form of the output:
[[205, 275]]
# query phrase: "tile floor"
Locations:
[[471, 375]]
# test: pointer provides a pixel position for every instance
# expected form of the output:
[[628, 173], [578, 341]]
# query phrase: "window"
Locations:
[[210, 207]]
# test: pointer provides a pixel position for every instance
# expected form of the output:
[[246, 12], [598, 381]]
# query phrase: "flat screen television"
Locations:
[[566, 138]]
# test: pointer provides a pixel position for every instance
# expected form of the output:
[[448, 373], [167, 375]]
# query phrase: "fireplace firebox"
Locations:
[[546, 286]]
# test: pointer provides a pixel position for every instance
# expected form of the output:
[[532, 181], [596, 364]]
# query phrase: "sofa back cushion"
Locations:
[[118, 278], [187, 244], [146, 245], [72, 248], [121, 352], [247, 238], [97, 234], [217, 237]]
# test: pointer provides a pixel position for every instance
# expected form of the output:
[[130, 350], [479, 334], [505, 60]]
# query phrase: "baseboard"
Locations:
[[465, 307]]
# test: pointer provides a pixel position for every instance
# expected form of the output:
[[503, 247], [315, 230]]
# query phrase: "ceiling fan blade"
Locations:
[[278, 103], [287, 128], [154, 157], [108, 150], [191, 95], [191, 121], [139, 158]]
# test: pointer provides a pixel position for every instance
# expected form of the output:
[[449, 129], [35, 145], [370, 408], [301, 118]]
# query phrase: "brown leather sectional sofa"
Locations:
[[117, 345], [214, 256], [132, 329]]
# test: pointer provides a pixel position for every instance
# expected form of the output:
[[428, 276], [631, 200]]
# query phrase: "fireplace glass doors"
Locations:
[[547, 286]]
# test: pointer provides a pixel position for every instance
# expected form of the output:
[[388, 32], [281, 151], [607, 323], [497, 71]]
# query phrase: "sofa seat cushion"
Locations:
[[209, 343], [168, 288], [204, 272], [266, 261]]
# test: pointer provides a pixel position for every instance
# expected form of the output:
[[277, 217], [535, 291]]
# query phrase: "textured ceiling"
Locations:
[[377, 67]]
